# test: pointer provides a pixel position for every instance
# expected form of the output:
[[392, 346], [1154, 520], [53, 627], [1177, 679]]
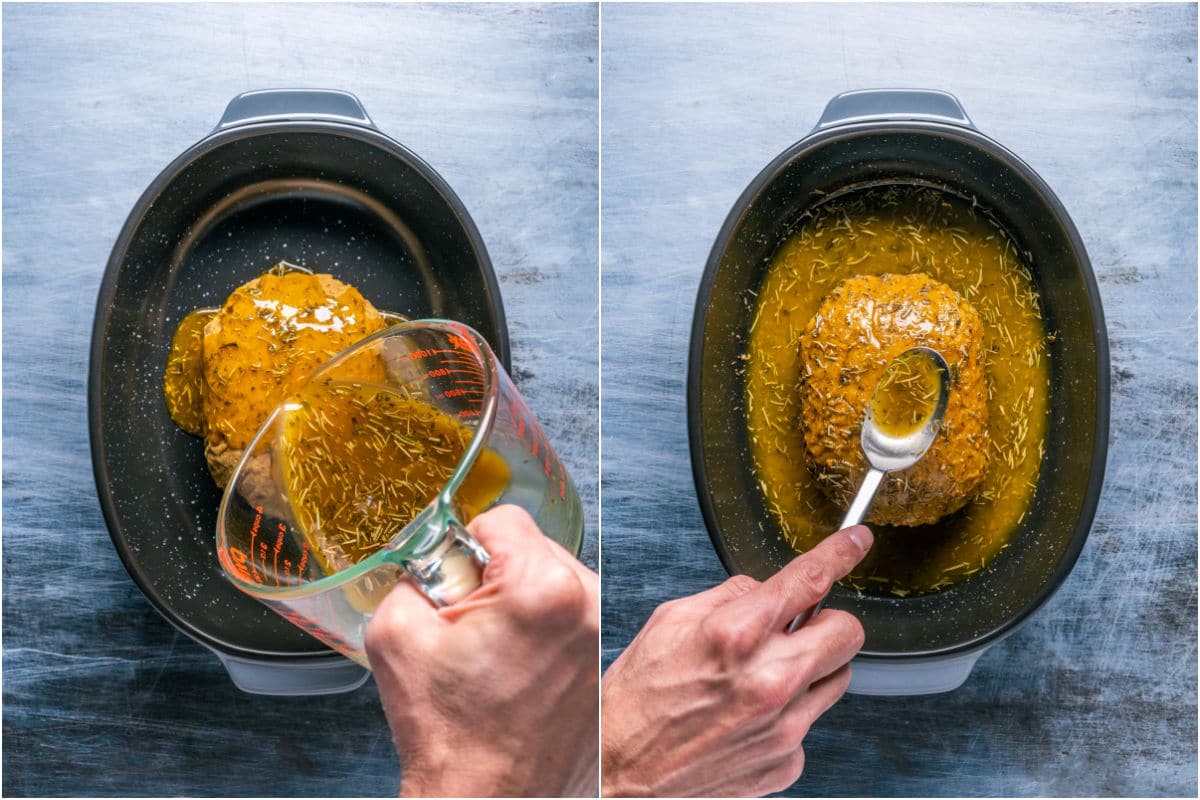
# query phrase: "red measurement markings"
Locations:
[[538, 442], [457, 359], [278, 547], [445, 372], [452, 393], [416, 355], [258, 514], [234, 561], [303, 561], [464, 343]]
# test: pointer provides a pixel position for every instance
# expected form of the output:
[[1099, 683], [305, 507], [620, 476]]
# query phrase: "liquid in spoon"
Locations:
[[907, 395]]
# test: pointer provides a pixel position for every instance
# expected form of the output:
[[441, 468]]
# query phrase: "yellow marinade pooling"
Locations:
[[184, 374], [902, 229]]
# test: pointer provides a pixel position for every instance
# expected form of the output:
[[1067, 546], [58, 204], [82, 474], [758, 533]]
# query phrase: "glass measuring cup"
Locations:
[[271, 539]]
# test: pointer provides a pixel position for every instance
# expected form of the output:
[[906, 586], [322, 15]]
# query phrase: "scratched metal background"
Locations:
[[101, 695], [1097, 695]]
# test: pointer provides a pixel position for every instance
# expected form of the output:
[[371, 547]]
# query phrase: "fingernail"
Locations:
[[861, 536]]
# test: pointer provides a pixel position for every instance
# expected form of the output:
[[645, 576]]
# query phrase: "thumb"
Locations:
[[512, 540], [506, 529]]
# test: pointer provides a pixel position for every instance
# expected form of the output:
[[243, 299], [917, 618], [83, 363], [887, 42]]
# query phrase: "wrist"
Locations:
[[461, 775], [616, 780]]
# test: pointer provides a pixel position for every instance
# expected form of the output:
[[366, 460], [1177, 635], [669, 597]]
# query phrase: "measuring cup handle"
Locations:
[[453, 570]]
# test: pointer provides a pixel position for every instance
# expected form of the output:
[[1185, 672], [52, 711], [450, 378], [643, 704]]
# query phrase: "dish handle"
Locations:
[[332, 675], [273, 105], [892, 679], [868, 105]]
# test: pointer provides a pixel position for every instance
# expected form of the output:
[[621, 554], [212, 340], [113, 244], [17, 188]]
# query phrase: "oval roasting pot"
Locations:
[[877, 137], [301, 175]]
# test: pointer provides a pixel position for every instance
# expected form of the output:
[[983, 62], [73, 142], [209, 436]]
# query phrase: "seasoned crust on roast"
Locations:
[[260, 347], [862, 325]]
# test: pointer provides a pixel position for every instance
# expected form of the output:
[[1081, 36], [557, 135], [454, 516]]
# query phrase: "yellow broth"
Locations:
[[902, 229], [184, 374], [360, 462], [906, 396]]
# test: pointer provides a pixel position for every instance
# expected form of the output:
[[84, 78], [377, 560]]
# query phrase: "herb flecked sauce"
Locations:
[[902, 229]]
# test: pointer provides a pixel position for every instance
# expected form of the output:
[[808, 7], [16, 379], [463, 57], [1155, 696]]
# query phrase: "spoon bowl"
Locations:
[[885, 450], [903, 419]]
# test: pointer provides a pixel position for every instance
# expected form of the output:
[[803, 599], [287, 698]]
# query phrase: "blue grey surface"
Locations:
[[1097, 694], [101, 695]]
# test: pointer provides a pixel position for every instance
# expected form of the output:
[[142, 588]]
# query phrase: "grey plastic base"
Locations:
[[898, 679], [332, 675]]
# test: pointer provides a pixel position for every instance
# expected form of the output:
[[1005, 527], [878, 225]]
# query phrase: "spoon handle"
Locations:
[[862, 500], [858, 510]]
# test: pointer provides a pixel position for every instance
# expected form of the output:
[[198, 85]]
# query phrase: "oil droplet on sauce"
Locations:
[[907, 394]]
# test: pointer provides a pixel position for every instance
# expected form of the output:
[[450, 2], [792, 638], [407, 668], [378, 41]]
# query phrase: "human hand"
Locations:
[[713, 697], [496, 695]]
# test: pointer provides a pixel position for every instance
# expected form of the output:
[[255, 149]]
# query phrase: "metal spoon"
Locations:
[[888, 452]]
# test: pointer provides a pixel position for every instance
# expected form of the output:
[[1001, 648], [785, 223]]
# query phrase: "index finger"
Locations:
[[807, 578], [510, 528]]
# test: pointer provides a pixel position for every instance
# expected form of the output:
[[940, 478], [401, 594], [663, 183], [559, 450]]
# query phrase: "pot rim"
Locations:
[[993, 150]]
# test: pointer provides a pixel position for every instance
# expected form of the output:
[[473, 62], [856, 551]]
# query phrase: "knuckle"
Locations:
[[813, 577], [793, 729], [794, 766], [842, 680], [732, 637], [739, 585], [850, 633], [768, 692], [858, 636], [665, 611], [834, 648], [559, 595], [383, 631]]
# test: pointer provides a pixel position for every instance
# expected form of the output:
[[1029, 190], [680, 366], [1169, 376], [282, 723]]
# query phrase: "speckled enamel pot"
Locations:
[[301, 175], [878, 137]]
